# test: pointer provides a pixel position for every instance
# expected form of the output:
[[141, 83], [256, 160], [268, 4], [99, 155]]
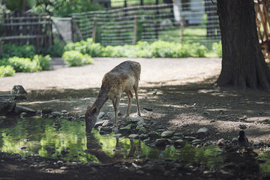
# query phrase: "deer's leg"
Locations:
[[137, 100], [130, 97], [115, 102]]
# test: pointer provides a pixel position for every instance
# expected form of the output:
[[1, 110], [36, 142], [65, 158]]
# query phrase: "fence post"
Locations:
[[73, 29], [1, 48], [94, 30], [157, 10], [182, 28], [135, 31]]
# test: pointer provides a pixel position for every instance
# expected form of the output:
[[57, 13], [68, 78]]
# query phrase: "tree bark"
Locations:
[[243, 64]]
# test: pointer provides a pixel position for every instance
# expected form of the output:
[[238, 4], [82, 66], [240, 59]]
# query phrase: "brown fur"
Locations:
[[122, 78]]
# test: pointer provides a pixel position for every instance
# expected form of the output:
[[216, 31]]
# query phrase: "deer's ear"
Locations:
[[94, 110]]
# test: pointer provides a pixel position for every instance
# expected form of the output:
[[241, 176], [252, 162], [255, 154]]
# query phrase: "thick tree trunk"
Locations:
[[243, 64]]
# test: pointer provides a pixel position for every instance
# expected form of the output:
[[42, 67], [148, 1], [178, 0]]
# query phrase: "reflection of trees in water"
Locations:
[[96, 150]]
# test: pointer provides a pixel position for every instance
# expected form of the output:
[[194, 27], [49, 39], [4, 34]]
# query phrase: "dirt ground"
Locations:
[[180, 92]]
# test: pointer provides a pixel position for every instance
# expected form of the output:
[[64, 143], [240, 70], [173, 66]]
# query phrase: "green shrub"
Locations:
[[11, 50], [86, 47], [158, 49], [75, 58], [55, 50], [217, 48], [45, 61], [24, 64], [6, 71]]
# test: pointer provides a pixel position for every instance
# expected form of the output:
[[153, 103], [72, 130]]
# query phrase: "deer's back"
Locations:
[[122, 78]]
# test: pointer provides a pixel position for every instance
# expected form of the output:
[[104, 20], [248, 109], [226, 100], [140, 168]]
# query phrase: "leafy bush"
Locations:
[[217, 48], [6, 71], [159, 48], [24, 64], [11, 50], [86, 47], [44, 61], [55, 50], [75, 58]]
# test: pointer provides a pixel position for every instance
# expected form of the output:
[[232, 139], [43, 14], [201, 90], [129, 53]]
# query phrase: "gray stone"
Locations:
[[167, 173], [134, 136], [125, 130], [99, 123], [107, 123], [117, 135], [46, 110], [163, 142], [64, 168], [110, 115], [50, 148], [242, 126], [234, 140], [64, 111], [196, 142], [18, 92], [167, 134], [154, 135], [105, 130], [221, 142], [143, 136], [189, 138], [256, 143], [203, 131], [206, 113], [175, 137], [156, 167], [141, 130], [7, 104], [139, 155], [179, 143], [18, 89], [100, 115], [56, 114], [19, 109], [140, 172], [23, 114]]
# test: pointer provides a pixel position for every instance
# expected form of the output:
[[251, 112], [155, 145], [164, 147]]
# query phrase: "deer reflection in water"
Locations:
[[95, 149]]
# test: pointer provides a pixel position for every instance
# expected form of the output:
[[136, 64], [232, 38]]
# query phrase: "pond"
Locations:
[[67, 140]]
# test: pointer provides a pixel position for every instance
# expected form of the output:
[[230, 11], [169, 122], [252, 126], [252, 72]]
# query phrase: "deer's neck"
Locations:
[[101, 99]]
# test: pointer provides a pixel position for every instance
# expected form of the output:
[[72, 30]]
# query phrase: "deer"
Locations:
[[121, 79]]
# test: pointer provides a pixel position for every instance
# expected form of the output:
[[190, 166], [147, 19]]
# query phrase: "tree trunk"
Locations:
[[243, 64]]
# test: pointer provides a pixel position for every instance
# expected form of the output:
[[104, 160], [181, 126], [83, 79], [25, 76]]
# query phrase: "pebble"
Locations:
[[167, 134], [64, 168], [139, 172], [202, 131], [242, 126], [256, 143]]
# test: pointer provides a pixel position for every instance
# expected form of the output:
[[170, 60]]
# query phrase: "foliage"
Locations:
[[11, 50], [15, 4], [24, 64], [75, 58], [217, 47], [64, 8], [56, 50], [158, 49], [6, 71], [44, 61], [86, 47]]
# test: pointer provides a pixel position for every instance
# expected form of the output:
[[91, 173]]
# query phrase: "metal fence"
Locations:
[[190, 22]]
